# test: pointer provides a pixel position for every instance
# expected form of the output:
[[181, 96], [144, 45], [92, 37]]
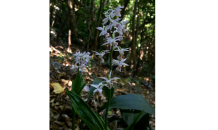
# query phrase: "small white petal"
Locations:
[[86, 88], [100, 28], [103, 78], [114, 78]]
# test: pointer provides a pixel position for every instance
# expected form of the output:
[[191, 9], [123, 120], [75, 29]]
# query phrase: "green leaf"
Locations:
[[91, 119], [80, 90], [96, 81], [102, 108], [137, 117], [77, 83], [106, 92], [129, 115], [130, 101], [143, 123]]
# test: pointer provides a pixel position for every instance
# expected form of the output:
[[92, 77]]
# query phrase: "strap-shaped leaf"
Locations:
[[106, 91], [80, 90], [77, 83], [91, 119]]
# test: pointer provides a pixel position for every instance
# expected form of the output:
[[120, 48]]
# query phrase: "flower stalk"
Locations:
[[109, 98]]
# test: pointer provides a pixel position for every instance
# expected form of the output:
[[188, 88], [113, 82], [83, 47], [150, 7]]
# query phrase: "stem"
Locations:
[[73, 119], [109, 98], [108, 103]]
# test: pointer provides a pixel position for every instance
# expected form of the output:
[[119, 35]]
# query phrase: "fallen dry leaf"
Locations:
[[57, 88]]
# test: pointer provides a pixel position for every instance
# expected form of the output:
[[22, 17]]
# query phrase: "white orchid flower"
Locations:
[[82, 69], [103, 31], [117, 10], [98, 87], [109, 81], [101, 54], [124, 22], [82, 58], [120, 63], [121, 50], [74, 68], [111, 42], [77, 53], [86, 88], [105, 20]]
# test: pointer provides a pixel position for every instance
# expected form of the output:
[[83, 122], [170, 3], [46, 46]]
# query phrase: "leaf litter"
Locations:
[[61, 77]]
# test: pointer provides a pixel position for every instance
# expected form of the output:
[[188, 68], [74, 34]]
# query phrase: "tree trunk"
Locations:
[[98, 24], [133, 49], [153, 51], [90, 24], [125, 3], [72, 20], [51, 12], [56, 14], [136, 36], [63, 26], [69, 41]]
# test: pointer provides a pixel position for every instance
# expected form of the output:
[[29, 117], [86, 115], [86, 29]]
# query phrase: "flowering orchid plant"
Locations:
[[113, 32], [81, 59], [118, 28]]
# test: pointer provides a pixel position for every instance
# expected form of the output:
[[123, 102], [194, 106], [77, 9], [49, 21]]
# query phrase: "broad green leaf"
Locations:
[[129, 115], [91, 119], [96, 81], [130, 101], [143, 123], [77, 83], [131, 126]]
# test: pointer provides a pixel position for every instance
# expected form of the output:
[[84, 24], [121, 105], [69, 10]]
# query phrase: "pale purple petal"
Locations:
[[100, 28], [114, 78], [103, 78], [86, 88]]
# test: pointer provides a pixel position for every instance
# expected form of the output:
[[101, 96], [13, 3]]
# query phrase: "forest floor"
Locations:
[[60, 106]]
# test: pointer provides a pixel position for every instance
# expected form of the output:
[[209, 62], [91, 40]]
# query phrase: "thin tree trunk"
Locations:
[[69, 41], [98, 24], [56, 12], [133, 49], [71, 6], [136, 36], [125, 3], [50, 21], [63, 26], [90, 24], [152, 56]]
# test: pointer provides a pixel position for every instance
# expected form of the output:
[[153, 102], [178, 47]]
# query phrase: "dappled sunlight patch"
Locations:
[[106, 71], [132, 66], [146, 79]]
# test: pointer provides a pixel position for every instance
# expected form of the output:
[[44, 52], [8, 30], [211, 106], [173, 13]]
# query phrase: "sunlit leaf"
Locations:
[[57, 88]]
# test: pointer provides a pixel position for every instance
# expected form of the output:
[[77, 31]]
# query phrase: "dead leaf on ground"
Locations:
[[57, 88]]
